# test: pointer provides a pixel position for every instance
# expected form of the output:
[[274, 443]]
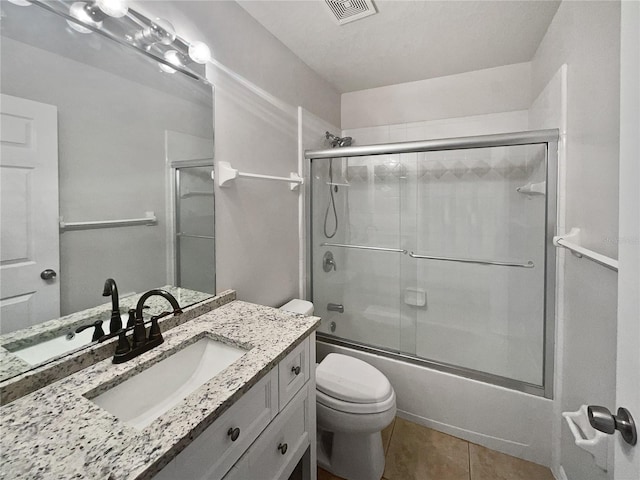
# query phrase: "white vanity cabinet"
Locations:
[[264, 434]]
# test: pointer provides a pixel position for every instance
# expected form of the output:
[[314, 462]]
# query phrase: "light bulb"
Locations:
[[173, 57], [78, 10], [113, 8], [22, 3], [199, 52]]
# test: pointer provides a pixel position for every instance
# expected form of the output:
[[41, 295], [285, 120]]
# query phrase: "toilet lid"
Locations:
[[352, 380]]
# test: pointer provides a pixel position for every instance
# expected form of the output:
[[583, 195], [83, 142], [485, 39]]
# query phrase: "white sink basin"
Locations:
[[64, 343], [141, 399]]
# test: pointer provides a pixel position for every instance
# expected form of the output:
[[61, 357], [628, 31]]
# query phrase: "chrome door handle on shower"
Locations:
[[335, 307]]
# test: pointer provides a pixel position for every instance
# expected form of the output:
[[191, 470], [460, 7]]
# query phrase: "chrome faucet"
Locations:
[[111, 289]]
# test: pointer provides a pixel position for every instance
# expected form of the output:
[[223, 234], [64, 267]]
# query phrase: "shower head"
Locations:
[[345, 142], [338, 141]]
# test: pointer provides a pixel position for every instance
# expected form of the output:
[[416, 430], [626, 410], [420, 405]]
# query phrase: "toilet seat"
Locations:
[[356, 408], [351, 380]]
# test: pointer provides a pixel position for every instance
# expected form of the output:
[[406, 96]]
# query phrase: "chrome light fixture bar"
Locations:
[[114, 19]]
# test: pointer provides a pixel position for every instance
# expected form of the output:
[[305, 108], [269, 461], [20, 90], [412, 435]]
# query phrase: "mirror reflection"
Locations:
[[106, 169]]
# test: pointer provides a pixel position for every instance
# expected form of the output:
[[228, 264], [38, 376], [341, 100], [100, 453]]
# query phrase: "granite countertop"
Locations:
[[10, 342], [57, 432], [24, 382]]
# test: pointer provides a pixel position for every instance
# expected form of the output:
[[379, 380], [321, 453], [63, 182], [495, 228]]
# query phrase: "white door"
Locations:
[[28, 213], [627, 458]]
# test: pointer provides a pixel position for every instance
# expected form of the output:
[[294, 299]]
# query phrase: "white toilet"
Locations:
[[355, 402]]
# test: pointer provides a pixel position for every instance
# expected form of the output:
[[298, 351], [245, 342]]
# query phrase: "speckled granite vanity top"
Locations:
[[12, 365], [57, 432], [65, 365]]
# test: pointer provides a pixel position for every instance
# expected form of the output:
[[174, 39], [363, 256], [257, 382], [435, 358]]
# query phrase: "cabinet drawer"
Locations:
[[293, 372], [240, 470], [278, 450], [213, 453]]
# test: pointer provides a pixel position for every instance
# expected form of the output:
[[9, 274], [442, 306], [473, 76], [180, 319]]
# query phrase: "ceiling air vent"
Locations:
[[345, 11]]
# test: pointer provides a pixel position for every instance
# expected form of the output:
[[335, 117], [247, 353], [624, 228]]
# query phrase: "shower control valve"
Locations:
[[328, 262]]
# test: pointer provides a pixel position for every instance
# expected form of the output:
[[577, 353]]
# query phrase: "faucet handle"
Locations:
[[97, 333], [154, 330], [132, 318], [123, 346]]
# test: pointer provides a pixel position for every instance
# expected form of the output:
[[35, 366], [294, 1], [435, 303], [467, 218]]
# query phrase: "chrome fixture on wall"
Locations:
[[336, 142], [328, 262], [114, 19]]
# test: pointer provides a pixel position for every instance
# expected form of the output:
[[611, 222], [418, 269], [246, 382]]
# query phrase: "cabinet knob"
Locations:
[[234, 433], [296, 370], [283, 446]]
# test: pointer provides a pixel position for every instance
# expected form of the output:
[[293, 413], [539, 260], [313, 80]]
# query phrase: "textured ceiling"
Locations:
[[406, 40]]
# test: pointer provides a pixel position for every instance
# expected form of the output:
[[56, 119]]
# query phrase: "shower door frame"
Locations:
[[549, 138], [175, 168]]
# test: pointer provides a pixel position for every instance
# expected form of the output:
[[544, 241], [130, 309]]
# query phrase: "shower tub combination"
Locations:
[[434, 261]]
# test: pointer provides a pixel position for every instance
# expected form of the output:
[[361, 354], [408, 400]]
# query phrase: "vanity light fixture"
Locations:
[[156, 38], [93, 13], [81, 11], [113, 8], [174, 58], [160, 31], [199, 52]]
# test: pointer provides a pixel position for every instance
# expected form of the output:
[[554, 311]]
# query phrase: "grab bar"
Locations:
[[529, 264], [363, 247], [149, 219], [571, 241]]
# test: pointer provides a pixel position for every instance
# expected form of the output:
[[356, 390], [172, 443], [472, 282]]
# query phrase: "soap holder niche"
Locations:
[[587, 437], [415, 296]]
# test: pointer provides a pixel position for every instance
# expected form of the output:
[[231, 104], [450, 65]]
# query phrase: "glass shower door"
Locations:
[[356, 248], [195, 240], [474, 225]]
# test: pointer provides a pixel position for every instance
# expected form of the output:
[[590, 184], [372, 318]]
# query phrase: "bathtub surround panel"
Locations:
[[549, 110], [487, 124], [480, 92], [586, 37]]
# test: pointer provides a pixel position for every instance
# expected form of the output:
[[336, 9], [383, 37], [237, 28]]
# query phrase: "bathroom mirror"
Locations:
[[106, 173]]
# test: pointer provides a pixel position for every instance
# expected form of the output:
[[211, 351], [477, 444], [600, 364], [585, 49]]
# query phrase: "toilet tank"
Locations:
[[298, 306]]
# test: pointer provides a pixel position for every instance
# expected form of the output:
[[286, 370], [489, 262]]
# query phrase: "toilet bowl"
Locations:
[[354, 403]]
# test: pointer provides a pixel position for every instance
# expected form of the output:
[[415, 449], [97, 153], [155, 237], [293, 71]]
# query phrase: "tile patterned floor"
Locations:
[[414, 452]]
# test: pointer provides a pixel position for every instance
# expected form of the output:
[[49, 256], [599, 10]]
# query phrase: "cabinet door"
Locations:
[[278, 450], [214, 452], [294, 372]]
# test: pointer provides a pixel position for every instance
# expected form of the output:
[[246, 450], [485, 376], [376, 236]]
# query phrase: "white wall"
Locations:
[[493, 90], [585, 36], [259, 83]]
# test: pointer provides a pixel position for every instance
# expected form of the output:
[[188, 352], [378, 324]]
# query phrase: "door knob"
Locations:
[[601, 419], [48, 274]]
